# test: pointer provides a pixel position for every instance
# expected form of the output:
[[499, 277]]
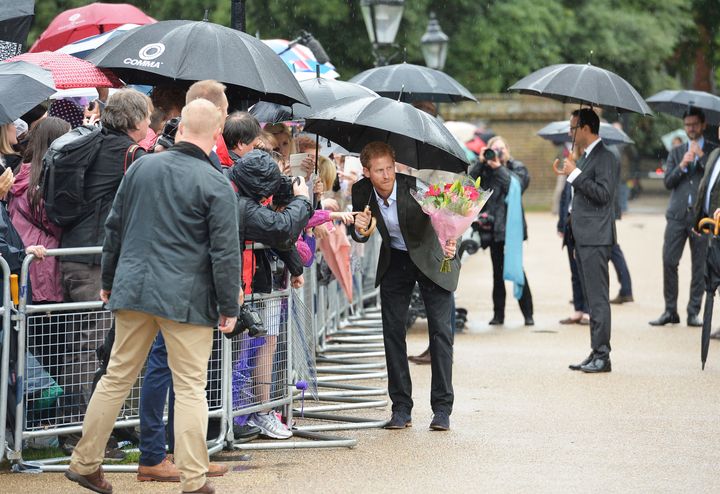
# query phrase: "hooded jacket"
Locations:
[[36, 229]]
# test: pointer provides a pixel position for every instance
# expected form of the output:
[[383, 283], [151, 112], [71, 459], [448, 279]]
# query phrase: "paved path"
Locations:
[[523, 422]]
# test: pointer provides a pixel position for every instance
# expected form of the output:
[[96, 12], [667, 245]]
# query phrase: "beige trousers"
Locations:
[[188, 348]]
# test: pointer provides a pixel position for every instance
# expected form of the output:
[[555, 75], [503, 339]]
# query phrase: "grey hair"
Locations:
[[125, 110]]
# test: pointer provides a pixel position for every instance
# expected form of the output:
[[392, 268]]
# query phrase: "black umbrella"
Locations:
[[419, 140], [583, 84], [559, 132], [15, 20], [712, 281], [22, 86], [189, 51], [676, 103], [321, 93], [413, 83]]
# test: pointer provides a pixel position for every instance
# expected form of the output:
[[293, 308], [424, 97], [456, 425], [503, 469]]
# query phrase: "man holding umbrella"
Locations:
[[683, 173], [410, 253], [592, 225]]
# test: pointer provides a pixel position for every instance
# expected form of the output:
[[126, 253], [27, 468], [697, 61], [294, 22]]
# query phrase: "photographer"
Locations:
[[497, 169]]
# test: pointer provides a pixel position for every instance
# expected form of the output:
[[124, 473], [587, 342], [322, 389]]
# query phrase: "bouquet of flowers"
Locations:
[[452, 207]]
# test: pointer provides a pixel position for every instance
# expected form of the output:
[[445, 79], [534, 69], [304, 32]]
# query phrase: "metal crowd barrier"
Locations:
[[6, 311]]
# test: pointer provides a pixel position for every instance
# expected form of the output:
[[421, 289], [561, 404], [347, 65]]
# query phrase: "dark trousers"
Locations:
[[592, 262], [579, 302], [623, 274], [497, 254], [156, 384], [395, 290], [676, 234]]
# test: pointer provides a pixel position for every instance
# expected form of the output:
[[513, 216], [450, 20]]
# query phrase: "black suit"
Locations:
[[397, 273], [593, 229], [680, 218]]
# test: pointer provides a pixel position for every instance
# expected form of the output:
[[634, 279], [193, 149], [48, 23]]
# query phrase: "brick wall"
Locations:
[[517, 118]]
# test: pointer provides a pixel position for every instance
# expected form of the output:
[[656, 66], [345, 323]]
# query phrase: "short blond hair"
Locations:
[[211, 90], [201, 117]]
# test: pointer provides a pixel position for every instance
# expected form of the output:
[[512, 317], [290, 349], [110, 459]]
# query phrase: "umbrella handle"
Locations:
[[705, 224], [371, 227]]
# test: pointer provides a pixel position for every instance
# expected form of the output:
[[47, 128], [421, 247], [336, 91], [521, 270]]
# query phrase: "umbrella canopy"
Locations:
[[418, 139], [335, 249], [96, 18], [712, 281], [321, 93], [189, 51], [84, 47], [414, 82], [463, 131], [676, 103], [559, 132], [668, 138], [22, 86], [583, 84], [301, 60], [15, 20], [69, 72]]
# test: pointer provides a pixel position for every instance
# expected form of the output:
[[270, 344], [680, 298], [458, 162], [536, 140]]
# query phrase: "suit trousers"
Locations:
[[497, 254], [396, 287], [623, 273], [592, 262], [676, 234], [188, 348], [579, 303]]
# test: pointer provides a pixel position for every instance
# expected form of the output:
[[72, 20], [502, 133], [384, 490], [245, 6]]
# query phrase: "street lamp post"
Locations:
[[434, 44], [382, 20], [237, 15]]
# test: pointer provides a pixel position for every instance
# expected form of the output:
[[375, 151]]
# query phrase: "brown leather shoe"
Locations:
[[165, 471], [95, 481], [423, 359], [206, 489], [216, 470]]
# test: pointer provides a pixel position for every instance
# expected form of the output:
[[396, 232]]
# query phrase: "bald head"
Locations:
[[200, 124]]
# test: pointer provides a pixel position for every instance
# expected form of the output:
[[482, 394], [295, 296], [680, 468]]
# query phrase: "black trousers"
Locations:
[[592, 262], [497, 254], [395, 289], [676, 234]]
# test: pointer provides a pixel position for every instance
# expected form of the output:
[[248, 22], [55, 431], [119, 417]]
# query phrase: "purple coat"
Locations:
[[44, 275]]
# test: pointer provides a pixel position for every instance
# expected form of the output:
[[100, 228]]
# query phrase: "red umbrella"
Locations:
[[79, 23], [69, 72]]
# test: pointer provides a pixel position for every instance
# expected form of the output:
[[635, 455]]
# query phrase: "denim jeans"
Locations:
[[155, 387]]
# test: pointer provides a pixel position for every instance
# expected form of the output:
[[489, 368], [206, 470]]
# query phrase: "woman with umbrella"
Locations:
[[499, 170]]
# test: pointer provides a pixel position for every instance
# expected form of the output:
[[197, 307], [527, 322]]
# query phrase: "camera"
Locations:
[[248, 320], [167, 137], [284, 193], [489, 154]]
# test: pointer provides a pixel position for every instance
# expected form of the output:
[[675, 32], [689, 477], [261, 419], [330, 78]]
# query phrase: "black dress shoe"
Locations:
[[497, 321], [440, 421], [621, 299], [597, 365], [666, 318], [529, 321], [399, 420], [587, 360], [694, 321]]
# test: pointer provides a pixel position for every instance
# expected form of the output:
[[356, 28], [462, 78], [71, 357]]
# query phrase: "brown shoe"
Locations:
[[206, 489], [95, 481], [216, 470], [621, 299], [423, 359], [165, 471]]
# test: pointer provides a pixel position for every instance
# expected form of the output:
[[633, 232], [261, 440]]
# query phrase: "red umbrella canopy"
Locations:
[[79, 23], [70, 72]]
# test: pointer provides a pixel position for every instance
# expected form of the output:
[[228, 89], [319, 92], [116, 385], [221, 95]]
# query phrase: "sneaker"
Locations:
[[245, 433], [270, 425]]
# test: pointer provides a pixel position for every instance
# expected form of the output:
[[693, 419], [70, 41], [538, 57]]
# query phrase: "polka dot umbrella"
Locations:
[[70, 72]]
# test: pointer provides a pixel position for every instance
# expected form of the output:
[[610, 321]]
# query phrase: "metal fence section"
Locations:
[[6, 311]]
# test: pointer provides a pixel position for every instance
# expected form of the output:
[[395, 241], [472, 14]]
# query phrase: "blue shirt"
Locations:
[[390, 217]]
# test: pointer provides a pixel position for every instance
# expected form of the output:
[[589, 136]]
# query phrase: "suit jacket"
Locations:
[[699, 207], [593, 204], [681, 183], [417, 231]]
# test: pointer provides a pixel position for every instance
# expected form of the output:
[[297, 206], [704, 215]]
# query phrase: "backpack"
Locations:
[[64, 166]]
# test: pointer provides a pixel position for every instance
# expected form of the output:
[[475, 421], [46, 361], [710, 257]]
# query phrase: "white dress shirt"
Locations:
[[711, 183], [577, 171]]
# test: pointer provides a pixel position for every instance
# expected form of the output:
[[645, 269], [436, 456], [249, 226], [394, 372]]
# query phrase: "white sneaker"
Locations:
[[270, 425]]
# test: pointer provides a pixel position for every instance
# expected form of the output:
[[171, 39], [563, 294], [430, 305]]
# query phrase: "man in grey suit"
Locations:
[[592, 225], [410, 253], [683, 171]]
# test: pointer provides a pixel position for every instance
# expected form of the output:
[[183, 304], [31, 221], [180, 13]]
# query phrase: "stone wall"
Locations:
[[517, 118]]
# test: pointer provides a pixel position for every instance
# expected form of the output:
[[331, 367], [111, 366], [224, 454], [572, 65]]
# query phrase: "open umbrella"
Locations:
[[69, 72], [419, 140], [15, 20], [321, 93], [559, 132], [712, 281], [667, 139], [22, 86], [585, 84], [96, 18], [413, 83], [183, 52], [301, 60], [676, 103], [84, 47], [463, 131]]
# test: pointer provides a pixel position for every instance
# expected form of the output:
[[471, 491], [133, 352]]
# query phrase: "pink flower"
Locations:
[[433, 191], [474, 195]]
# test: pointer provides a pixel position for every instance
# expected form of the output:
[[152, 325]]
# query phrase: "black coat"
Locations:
[[498, 179], [11, 245], [102, 180], [683, 184], [171, 247]]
